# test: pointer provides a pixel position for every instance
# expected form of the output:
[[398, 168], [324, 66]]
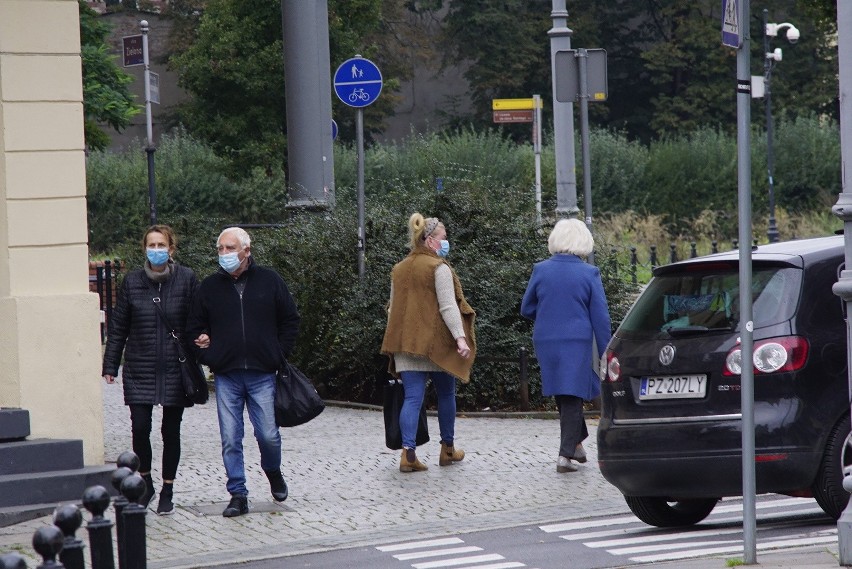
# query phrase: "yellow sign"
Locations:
[[512, 104]]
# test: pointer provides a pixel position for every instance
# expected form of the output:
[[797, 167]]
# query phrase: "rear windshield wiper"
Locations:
[[688, 330]]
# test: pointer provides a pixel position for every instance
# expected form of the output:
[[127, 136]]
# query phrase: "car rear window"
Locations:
[[707, 299]]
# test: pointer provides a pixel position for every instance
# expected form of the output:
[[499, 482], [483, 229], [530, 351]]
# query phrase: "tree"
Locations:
[[106, 98], [667, 70], [229, 54]]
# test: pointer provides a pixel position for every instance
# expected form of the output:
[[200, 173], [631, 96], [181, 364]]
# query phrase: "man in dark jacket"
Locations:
[[244, 321]]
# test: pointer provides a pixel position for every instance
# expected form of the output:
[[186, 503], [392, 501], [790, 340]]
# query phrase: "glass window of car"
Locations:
[[702, 299]]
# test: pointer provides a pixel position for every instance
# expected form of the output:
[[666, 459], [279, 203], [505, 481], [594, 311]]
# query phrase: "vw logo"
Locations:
[[667, 354]]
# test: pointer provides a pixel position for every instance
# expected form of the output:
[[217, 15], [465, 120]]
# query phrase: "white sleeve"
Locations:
[[447, 300]]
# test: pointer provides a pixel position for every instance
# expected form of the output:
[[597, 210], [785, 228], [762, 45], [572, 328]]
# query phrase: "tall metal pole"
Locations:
[[308, 91], [582, 64], [359, 134], [563, 119], [149, 149], [772, 231], [843, 210], [745, 274], [537, 152]]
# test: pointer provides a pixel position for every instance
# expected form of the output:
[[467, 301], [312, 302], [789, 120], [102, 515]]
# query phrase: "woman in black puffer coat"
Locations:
[[151, 372]]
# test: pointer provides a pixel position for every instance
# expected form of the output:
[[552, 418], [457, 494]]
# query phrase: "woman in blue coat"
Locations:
[[565, 298]]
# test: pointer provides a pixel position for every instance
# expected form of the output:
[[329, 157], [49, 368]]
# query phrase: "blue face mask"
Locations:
[[229, 261], [445, 248], [157, 257]]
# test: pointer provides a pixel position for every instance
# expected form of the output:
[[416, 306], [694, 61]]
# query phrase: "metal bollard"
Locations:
[[133, 544], [12, 561], [47, 542], [673, 253], [653, 257], [68, 518], [634, 260], [118, 504], [525, 383], [96, 500], [693, 253]]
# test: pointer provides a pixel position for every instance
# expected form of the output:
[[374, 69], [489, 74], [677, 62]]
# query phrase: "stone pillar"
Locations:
[[49, 321]]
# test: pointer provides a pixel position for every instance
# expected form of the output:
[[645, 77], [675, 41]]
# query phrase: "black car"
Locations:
[[670, 434]]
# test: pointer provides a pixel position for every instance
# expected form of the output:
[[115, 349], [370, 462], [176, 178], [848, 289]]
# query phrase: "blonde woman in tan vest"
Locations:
[[429, 334]]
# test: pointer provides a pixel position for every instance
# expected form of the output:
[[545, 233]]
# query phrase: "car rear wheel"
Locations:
[[665, 513], [836, 463]]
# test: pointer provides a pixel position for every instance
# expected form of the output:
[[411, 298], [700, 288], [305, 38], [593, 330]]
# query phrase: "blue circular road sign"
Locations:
[[333, 130], [358, 82]]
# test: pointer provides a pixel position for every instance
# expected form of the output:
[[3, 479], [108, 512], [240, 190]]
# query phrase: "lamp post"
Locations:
[[771, 30]]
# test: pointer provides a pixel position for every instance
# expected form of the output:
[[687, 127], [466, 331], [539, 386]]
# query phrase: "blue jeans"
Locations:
[[414, 383], [236, 390]]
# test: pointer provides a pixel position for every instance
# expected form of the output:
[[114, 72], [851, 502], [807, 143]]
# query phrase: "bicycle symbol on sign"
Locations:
[[359, 94]]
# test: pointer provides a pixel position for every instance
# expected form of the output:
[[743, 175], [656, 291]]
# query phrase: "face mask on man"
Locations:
[[229, 261], [445, 248], [157, 257]]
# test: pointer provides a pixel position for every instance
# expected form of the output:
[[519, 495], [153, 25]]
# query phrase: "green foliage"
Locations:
[[190, 180], [106, 97], [667, 72]]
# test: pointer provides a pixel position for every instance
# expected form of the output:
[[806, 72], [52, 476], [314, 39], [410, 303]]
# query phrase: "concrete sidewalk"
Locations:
[[346, 490]]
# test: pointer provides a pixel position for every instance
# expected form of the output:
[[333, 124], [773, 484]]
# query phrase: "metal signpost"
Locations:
[[149, 149], [843, 210], [358, 83], [582, 77], [524, 110], [733, 35]]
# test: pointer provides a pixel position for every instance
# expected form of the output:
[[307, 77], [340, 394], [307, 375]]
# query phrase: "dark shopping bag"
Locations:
[[394, 396], [296, 399]]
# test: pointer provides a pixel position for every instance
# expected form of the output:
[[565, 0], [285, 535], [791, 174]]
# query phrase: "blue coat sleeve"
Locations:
[[529, 304], [599, 314]]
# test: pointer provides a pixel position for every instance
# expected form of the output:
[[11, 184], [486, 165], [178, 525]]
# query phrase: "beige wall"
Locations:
[[49, 322]]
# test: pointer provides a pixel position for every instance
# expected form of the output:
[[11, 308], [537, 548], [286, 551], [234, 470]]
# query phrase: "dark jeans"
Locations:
[[140, 421], [572, 424]]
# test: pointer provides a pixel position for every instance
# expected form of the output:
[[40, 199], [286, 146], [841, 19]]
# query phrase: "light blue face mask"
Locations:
[[157, 257], [445, 248], [229, 261]]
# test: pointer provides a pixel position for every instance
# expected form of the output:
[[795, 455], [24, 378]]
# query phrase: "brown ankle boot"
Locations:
[[449, 455], [413, 466]]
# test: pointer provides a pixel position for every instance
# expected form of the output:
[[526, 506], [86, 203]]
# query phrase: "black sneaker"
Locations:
[[236, 507], [277, 485], [166, 507]]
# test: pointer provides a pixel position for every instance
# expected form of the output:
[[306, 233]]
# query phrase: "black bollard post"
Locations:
[[118, 476], [47, 542], [68, 518], [12, 561], [524, 388], [133, 546], [96, 500]]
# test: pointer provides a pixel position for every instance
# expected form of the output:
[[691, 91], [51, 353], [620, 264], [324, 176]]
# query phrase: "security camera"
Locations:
[[793, 34]]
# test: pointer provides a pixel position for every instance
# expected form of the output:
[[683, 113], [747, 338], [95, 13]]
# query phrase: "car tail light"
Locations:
[[787, 353], [613, 367]]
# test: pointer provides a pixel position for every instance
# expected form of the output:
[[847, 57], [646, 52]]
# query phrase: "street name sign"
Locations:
[[512, 104], [154, 87], [358, 82], [730, 23], [523, 115], [132, 50]]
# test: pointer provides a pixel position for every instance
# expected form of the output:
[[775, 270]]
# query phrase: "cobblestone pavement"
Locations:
[[346, 489]]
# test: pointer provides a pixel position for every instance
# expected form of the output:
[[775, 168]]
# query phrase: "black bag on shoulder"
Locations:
[[394, 396], [191, 375], [296, 399]]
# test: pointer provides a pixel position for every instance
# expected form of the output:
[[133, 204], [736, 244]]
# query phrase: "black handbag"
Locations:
[[191, 375], [296, 399], [394, 396]]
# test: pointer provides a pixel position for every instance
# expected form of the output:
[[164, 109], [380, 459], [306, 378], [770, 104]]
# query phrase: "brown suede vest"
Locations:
[[415, 325]]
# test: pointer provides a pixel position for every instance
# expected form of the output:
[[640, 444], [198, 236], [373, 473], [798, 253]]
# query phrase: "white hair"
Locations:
[[570, 236], [239, 232]]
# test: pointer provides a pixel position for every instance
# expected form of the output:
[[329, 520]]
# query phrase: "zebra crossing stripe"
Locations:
[[437, 553], [458, 561], [420, 544], [734, 549]]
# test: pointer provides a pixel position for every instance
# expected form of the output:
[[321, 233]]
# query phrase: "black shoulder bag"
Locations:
[[191, 374]]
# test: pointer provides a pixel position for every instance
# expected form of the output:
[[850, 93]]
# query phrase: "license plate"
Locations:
[[673, 387]]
